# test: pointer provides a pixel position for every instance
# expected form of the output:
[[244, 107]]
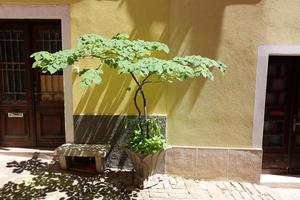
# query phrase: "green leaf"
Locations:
[[127, 56], [90, 76]]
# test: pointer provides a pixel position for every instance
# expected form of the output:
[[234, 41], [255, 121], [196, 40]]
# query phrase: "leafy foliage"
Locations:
[[140, 143], [90, 75], [136, 58], [127, 56]]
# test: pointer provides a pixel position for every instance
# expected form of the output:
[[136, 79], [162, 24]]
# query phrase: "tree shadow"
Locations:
[[196, 29], [188, 27], [112, 130], [47, 178]]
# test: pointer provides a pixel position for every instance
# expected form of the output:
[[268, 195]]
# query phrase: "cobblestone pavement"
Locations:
[[185, 189], [23, 178]]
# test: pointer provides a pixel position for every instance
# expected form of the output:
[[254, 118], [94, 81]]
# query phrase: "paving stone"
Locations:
[[166, 184], [179, 184], [200, 195], [228, 185], [251, 190], [145, 195], [215, 192], [163, 187], [172, 181], [246, 196], [237, 186], [178, 193], [236, 195], [203, 185], [262, 190], [220, 185], [156, 194], [228, 195], [267, 197]]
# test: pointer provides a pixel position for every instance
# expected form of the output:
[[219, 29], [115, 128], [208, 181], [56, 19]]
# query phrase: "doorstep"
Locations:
[[280, 181], [28, 152]]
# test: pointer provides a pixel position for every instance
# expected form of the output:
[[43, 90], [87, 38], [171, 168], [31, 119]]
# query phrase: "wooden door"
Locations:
[[16, 103], [281, 139], [295, 123], [31, 103]]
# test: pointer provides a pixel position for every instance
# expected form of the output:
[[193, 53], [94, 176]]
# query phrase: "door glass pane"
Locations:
[[276, 110], [273, 133], [51, 86], [12, 66], [297, 109], [298, 140]]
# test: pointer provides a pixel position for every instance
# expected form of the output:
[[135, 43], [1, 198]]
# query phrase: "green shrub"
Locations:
[[148, 141]]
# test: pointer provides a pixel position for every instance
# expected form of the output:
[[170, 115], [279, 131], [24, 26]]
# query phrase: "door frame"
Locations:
[[62, 12], [264, 52]]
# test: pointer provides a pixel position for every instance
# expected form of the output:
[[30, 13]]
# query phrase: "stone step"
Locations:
[[280, 181], [42, 153]]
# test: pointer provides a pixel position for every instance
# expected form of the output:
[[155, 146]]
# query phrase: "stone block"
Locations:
[[211, 164], [244, 165], [181, 161]]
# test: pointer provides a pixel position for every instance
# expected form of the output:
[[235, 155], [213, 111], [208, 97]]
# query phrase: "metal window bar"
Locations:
[[50, 50], [12, 65], [19, 66], [50, 40], [7, 89]]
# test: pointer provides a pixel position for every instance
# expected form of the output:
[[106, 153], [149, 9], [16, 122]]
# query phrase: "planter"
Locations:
[[145, 165]]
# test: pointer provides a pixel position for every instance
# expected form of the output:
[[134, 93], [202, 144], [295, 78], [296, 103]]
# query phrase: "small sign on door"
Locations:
[[15, 114]]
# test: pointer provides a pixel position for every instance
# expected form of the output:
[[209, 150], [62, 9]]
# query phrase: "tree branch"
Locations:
[[140, 89], [143, 95], [136, 104]]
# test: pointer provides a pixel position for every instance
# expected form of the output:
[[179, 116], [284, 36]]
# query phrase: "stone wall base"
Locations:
[[109, 129], [215, 163]]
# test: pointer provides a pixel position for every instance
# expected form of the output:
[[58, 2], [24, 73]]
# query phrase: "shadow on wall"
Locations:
[[147, 16], [195, 29], [104, 98], [104, 129], [189, 27], [115, 95], [196, 26], [150, 20], [109, 129], [113, 98]]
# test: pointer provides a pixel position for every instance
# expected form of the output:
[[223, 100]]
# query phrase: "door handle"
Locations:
[[295, 124]]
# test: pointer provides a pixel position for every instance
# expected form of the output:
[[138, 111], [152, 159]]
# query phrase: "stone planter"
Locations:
[[144, 165]]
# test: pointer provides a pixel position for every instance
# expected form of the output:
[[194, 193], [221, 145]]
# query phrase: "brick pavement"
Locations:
[[185, 189], [23, 178]]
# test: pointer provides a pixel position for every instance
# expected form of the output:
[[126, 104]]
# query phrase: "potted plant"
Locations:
[[142, 61]]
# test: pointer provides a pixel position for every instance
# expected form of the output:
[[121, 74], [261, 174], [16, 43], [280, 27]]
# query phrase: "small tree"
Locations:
[[140, 60]]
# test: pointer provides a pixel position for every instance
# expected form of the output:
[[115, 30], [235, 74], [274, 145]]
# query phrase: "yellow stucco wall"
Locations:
[[220, 113], [200, 113], [140, 19]]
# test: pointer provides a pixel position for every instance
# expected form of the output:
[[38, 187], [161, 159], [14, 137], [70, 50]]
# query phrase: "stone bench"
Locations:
[[98, 151]]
